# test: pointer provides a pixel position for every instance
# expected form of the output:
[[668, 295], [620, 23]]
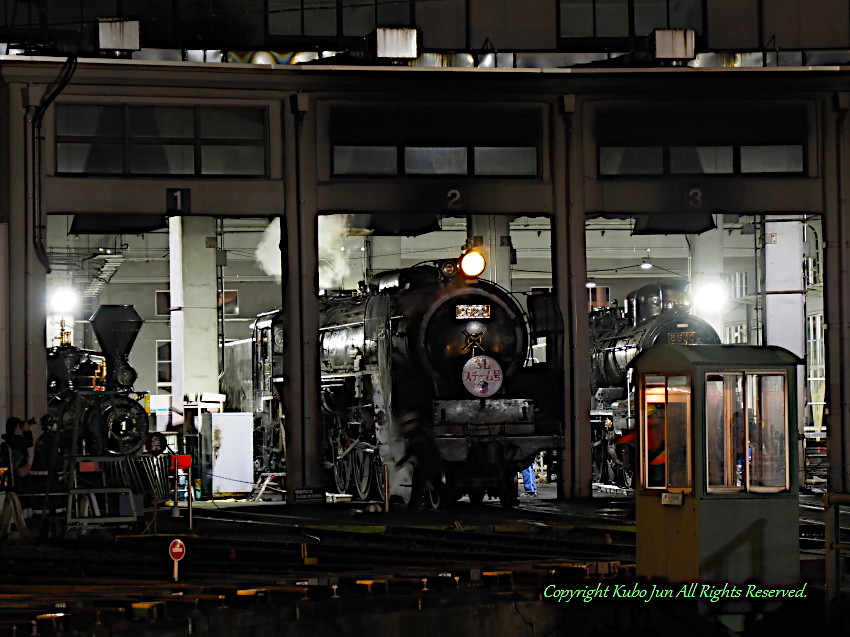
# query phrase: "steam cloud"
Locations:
[[267, 253], [333, 262]]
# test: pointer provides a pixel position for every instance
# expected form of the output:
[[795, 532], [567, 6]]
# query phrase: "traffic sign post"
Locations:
[[176, 551]]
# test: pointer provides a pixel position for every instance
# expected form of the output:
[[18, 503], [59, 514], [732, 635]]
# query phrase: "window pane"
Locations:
[[686, 14], [631, 160], [767, 430], [233, 160], [160, 121], [319, 17], [365, 160], [677, 425], [576, 18], [158, 159], [163, 303], [701, 160], [233, 123], [358, 17], [104, 159], [163, 372], [506, 161], [163, 351], [654, 415], [231, 301], [650, 15], [724, 430], [612, 18], [772, 159], [393, 13], [88, 121], [284, 17], [435, 161]]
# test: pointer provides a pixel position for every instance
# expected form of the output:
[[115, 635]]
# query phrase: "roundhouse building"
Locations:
[[147, 170]]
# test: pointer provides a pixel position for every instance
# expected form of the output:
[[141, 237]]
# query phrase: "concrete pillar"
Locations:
[[785, 299], [194, 327], [495, 234], [784, 288], [707, 270]]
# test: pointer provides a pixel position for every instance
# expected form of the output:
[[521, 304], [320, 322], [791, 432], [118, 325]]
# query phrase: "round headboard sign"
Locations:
[[482, 376]]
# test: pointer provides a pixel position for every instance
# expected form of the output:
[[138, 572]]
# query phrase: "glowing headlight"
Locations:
[[472, 264], [709, 297]]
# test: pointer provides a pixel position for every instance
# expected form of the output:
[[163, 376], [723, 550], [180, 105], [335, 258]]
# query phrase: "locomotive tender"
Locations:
[[438, 343], [655, 314]]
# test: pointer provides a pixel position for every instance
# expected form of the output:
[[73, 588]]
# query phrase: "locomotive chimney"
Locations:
[[116, 328]]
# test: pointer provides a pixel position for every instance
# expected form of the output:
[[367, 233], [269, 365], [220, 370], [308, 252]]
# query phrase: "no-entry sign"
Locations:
[[176, 551]]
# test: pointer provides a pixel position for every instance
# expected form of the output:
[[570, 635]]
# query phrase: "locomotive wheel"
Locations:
[[476, 496], [508, 495], [342, 474], [437, 495], [378, 485], [361, 469]]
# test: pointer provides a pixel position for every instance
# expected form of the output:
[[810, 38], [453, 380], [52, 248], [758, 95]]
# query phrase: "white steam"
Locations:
[[267, 253], [333, 260]]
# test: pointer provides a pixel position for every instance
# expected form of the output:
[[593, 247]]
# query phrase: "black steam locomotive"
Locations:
[[436, 344], [652, 315], [253, 382], [89, 393]]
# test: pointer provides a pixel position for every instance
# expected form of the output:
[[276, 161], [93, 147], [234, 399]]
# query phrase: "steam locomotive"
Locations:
[[253, 381], [652, 315], [436, 344], [89, 393]]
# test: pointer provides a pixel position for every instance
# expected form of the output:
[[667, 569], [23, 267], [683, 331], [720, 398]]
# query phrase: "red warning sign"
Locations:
[[176, 550]]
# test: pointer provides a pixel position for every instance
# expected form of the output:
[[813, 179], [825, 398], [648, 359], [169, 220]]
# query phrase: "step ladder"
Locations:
[[262, 484]]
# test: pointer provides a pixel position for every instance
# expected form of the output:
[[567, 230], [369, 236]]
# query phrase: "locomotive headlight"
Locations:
[[709, 296], [472, 264]]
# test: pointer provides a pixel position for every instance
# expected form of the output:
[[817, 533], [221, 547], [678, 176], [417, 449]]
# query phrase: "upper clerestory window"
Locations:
[[194, 141]]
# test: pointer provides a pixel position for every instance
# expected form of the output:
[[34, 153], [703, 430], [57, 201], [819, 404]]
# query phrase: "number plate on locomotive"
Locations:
[[682, 338], [472, 311]]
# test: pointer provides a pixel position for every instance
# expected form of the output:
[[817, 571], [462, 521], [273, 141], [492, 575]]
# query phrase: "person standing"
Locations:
[[46, 476], [529, 481], [14, 451]]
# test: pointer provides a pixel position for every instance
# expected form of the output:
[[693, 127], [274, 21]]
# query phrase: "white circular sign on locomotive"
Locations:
[[482, 376]]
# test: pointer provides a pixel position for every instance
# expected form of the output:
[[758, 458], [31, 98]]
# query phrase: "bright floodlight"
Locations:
[[64, 300], [590, 283], [709, 297], [646, 264], [472, 263]]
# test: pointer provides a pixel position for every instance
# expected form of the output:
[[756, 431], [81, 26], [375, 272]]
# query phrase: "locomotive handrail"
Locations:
[[339, 327], [833, 546]]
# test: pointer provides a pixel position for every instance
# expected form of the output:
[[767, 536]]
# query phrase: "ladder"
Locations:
[[262, 484]]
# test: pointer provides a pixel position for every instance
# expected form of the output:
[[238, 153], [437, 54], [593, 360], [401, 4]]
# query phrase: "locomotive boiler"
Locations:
[[437, 345], [655, 314], [90, 392]]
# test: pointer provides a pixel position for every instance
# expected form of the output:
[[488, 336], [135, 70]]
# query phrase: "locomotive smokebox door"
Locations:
[[716, 493]]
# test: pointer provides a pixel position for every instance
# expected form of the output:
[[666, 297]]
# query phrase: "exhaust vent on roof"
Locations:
[[674, 45], [395, 43]]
